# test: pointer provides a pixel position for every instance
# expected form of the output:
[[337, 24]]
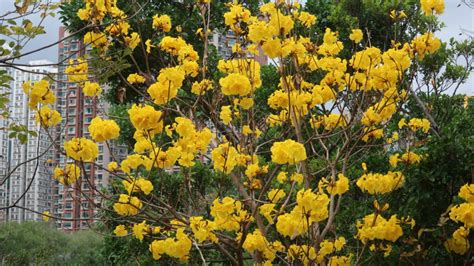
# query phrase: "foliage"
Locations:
[[38, 243]]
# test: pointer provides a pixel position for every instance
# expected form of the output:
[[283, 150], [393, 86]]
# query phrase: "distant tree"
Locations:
[[37, 243]]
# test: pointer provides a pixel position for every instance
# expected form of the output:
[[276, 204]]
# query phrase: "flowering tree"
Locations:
[[290, 172]]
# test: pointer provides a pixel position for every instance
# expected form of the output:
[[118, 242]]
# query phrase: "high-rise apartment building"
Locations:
[[29, 186], [78, 203]]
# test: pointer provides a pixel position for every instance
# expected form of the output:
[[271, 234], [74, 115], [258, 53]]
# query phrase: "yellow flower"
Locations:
[[47, 117], [226, 114], [202, 229], [112, 166], [376, 227], [281, 177], [83, 13], [148, 46], [268, 211], [356, 35], [235, 84], [138, 185], [127, 205], [339, 243], [432, 6], [140, 230], [402, 123], [135, 78], [118, 28], [307, 19], [225, 158], [96, 39], [297, 177], [236, 15], [146, 118], [397, 15], [134, 161], [120, 230], [133, 40], [257, 242], [393, 160], [91, 89], [45, 216], [410, 158], [81, 149], [177, 247], [103, 130], [202, 86], [338, 187], [162, 22], [288, 152], [77, 70], [311, 207], [275, 195], [375, 183], [416, 123], [246, 103], [168, 82], [228, 214], [463, 213], [459, 243], [425, 44], [467, 193], [67, 175], [39, 93]]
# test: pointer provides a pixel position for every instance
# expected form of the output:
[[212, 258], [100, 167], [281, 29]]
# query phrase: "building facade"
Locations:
[[78, 204], [26, 177]]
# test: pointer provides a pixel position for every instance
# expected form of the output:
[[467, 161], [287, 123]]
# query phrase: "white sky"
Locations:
[[457, 20]]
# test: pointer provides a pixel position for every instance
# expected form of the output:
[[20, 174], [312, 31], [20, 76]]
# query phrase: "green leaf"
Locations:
[[23, 138]]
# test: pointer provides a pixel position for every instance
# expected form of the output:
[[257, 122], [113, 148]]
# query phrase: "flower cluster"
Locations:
[[77, 70], [288, 152], [462, 213], [103, 130], [128, 205], [81, 149], [48, 117], [374, 226], [67, 175], [39, 93], [376, 183], [311, 207]]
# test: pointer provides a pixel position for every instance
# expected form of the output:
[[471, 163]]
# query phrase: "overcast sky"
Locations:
[[458, 20]]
